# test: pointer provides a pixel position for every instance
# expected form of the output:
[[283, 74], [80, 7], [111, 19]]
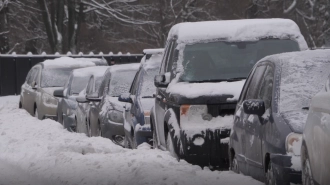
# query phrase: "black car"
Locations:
[[106, 112], [140, 100], [271, 113], [74, 88], [201, 77]]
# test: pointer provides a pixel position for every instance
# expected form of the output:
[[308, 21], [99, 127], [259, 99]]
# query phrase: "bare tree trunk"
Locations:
[[48, 25], [4, 43]]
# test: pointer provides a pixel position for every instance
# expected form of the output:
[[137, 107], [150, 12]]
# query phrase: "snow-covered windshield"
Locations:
[[218, 61], [147, 88], [300, 82], [78, 84], [121, 82], [54, 77]]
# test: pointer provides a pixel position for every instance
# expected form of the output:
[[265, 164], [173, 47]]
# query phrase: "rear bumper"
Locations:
[[284, 167], [205, 148]]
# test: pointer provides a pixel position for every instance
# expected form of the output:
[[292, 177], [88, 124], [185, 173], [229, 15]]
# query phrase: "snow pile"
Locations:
[[153, 51], [303, 75], [67, 62], [238, 30], [194, 90], [42, 152]]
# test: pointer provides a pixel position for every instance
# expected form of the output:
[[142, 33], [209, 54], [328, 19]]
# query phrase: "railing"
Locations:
[[14, 68]]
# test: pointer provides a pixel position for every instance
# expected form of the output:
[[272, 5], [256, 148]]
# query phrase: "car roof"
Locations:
[[68, 62], [237, 30], [124, 67], [153, 51]]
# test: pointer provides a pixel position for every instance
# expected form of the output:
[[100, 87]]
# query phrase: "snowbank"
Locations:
[[42, 152]]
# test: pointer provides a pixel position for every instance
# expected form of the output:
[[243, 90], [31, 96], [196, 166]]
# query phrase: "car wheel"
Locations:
[[270, 175], [89, 129], [307, 177], [170, 146], [20, 105], [234, 165]]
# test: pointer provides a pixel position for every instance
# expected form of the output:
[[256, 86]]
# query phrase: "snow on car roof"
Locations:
[[124, 67], [153, 51], [97, 61], [303, 75], [67, 62], [96, 71], [153, 62], [238, 30]]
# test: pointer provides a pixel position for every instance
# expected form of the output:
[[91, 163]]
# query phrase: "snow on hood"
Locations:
[[302, 76], [238, 30], [97, 71], [67, 62], [50, 90], [194, 90]]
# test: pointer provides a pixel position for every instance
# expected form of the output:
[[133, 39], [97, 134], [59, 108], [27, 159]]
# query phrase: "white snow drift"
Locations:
[[42, 152]]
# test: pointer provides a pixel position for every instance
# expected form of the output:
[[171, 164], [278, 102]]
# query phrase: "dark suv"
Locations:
[[200, 80], [271, 114]]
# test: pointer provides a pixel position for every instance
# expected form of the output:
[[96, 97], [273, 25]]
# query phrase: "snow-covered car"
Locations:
[[140, 100], [74, 88], [106, 112], [46, 77], [201, 77], [271, 114], [315, 160]]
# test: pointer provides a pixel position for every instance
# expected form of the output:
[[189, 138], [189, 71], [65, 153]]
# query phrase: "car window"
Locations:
[[31, 75], [135, 83], [253, 87], [103, 87], [266, 88], [89, 88], [173, 54], [166, 55]]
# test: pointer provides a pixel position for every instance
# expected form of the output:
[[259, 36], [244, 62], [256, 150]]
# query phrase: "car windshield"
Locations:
[[147, 88], [55, 77], [78, 84], [120, 82], [221, 61]]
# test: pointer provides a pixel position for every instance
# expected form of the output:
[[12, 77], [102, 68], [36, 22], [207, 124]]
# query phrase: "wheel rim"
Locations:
[[308, 173]]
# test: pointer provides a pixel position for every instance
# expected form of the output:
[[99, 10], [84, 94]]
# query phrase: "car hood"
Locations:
[[147, 103], [296, 119], [205, 93], [50, 90]]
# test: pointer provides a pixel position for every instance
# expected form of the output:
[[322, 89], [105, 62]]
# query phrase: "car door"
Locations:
[[25, 87], [246, 125], [32, 91], [161, 98]]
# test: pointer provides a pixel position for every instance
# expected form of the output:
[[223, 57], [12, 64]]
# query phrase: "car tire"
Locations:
[[20, 105], [307, 177], [89, 129], [270, 175], [234, 165], [99, 130], [170, 146]]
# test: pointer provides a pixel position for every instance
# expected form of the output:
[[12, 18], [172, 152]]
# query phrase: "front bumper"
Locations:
[[205, 148], [285, 172]]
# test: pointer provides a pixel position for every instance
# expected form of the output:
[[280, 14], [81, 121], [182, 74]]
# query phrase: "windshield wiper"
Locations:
[[147, 97], [236, 79]]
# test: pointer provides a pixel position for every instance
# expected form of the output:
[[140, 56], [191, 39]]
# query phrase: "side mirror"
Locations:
[[161, 81], [126, 97], [256, 107], [81, 100], [93, 97], [58, 93], [34, 85]]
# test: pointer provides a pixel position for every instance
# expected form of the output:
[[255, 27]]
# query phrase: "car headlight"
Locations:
[[48, 99], [293, 143], [116, 116]]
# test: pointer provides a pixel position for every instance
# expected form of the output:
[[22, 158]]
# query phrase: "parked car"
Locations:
[[106, 112], [200, 80], [84, 105], [315, 160], [271, 113], [74, 88], [41, 82], [140, 100]]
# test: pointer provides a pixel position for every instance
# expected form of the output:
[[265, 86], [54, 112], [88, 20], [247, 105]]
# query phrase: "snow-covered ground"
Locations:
[[42, 152]]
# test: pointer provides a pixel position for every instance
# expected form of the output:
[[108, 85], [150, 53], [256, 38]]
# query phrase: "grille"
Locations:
[[147, 120], [221, 110]]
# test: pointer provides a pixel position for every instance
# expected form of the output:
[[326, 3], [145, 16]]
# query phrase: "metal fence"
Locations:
[[14, 68]]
